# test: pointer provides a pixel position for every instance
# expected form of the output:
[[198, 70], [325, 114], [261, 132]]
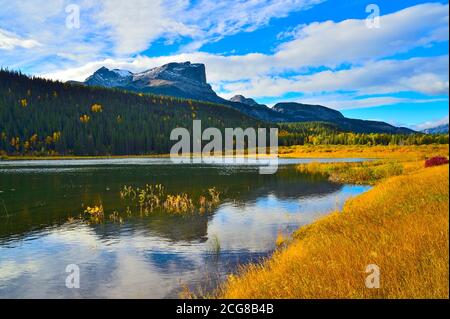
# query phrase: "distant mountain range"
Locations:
[[188, 80], [441, 129]]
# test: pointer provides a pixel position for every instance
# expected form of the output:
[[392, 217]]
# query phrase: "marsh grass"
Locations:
[[152, 198], [96, 213], [215, 247], [411, 152], [368, 172], [401, 225]]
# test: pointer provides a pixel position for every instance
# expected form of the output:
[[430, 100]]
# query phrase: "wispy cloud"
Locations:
[[424, 75], [10, 41], [431, 124]]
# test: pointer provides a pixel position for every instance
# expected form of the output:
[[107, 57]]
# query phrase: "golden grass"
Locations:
[[401, 225], [362, 151], [304, 151], [357, 173], [392, 161]]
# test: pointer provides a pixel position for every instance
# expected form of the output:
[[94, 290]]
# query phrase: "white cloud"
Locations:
[[135, 24], [424, 75], [117, 29], [431, 124], [10, 41], [350, 41], [322, 44], [114, 30]]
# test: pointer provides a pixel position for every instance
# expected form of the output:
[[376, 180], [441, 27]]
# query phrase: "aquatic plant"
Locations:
[[214, 246], [115, 217], [154, 197], [96, 213], [215, 195], [178, 204]]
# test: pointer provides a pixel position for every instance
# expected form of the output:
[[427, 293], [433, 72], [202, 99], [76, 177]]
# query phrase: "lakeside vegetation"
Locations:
[[388, 161], [401, 225], [410, 152], [322, 133]]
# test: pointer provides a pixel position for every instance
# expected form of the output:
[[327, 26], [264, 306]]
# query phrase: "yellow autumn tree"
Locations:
[[96, 108], [56, 136], [85, 118]]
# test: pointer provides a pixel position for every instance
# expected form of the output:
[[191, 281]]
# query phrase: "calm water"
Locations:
[[147, 256]]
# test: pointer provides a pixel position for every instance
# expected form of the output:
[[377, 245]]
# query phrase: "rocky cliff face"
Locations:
[[187, 80], [110, 78]]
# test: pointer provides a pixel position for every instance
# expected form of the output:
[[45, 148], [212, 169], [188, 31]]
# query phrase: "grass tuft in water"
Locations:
[[154, 197]]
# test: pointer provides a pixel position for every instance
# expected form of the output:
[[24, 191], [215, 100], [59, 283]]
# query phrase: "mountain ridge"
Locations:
[[188, 80], [440, 129]]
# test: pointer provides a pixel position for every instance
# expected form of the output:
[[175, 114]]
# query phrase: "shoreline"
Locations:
[[396, 225], [296, 151]]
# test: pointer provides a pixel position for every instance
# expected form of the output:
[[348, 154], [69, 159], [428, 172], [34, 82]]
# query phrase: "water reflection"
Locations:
[[147, 257]]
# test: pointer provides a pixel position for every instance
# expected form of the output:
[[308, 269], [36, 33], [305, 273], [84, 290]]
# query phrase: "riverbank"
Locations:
[[298, 151], [409, 152], [401, 226]]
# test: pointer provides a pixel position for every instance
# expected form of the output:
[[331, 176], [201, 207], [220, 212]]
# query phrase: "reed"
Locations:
[[151, 198]]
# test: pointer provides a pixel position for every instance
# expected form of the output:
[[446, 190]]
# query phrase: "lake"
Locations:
[[146, 255]]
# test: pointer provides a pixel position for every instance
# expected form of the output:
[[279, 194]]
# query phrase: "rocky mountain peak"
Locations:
[[109, 78], [242, 99], [184, 71]]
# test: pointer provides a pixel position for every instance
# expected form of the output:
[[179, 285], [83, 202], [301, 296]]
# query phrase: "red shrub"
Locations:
[[434, 161]]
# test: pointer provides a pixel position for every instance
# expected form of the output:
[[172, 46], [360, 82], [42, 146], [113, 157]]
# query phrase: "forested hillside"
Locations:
[[42, 117]]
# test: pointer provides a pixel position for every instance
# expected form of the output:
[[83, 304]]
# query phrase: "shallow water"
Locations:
[[147, 256]]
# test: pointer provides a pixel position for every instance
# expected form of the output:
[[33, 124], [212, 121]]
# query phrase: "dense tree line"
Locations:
[[317, 133], [43, 117]]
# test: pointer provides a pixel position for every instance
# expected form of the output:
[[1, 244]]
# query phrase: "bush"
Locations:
[[435, 161]]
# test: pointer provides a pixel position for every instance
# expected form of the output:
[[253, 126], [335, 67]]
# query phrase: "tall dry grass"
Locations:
[[412, 152], [355, 173], [401, 225]]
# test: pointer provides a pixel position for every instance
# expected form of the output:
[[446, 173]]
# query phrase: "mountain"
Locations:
[[298, 112], [110, 78], [441, 129], [188, 80], [185, 80], [242, 99]]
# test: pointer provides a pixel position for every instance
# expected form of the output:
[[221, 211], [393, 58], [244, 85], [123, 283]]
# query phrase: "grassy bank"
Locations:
[[411, 152], [357, 173], [400, 225]]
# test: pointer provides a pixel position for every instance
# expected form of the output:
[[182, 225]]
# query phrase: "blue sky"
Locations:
[[327, 52]]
